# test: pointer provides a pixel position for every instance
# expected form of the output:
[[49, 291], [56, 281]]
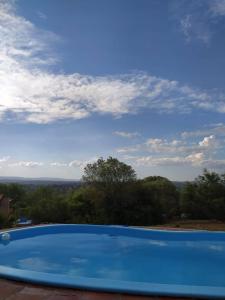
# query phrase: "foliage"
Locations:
[[108, 172], [111, 194], [46, 205], [3, 220], [205, 198], [165, 192]]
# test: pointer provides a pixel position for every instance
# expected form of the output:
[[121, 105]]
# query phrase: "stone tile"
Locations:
[[8, 289], [176, 298], [137, 297], [100, 296], [19, 296], [31, 293], [64, 291], [38, 291], [64, 297], [12, 290]]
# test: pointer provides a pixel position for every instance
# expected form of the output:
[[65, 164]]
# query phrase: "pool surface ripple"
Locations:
[[117, 259]]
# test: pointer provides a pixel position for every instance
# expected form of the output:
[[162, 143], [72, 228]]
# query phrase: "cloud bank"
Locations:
[[202, 148], [32, 92], [197, 19]]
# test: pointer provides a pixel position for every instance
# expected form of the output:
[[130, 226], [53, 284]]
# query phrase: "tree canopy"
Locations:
[[108, 172], [112, 194]]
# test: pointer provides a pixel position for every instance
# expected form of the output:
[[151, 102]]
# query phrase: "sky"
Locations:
[[139, 80]]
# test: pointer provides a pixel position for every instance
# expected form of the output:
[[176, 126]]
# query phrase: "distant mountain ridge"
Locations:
[[37, 181], [55, 181]]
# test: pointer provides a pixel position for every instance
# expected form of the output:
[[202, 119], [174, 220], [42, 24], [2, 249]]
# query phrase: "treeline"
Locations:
[[112, 194]]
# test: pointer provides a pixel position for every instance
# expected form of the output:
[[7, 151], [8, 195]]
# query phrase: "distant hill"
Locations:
[[46, 181], [179, 184], [39, 181]]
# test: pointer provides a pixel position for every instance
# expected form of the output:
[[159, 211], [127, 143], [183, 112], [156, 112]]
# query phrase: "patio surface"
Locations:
[[12, 290]]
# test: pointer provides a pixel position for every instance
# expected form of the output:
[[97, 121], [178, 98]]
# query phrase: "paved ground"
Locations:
[[12, 290]]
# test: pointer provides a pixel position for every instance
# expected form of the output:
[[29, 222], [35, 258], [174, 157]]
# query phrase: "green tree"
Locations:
[[108, 172], [205, 198], [137, 206], [110, 177], [47, 205], [3, 221], [86, 205], [165, 193]]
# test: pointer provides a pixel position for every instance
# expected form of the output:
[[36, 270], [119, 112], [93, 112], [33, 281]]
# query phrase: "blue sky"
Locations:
[[140, 80]]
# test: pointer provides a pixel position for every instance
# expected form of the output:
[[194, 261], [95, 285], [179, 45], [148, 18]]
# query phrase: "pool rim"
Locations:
[[115, 286]]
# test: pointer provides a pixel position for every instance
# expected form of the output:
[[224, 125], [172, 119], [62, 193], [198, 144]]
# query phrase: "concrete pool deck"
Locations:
[[13, 290]]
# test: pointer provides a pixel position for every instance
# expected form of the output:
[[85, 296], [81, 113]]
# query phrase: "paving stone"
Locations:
[[136, 297], [64, 297], [100, 296], [27, 290], [12, 290], [8, 289], [19, 296]]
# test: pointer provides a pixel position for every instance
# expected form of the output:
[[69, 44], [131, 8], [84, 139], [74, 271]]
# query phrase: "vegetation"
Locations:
[[205, 197], [110, 193]]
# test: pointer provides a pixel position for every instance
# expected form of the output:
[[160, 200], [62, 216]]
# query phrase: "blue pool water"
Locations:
[[119, 259]]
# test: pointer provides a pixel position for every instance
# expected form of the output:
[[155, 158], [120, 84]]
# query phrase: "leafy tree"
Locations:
[[3, 220], [108, 172], [14, 191], [85, 206], [47, 205], [138, 206], [205, 198], [165, 193], [190, 204], [110, 177]]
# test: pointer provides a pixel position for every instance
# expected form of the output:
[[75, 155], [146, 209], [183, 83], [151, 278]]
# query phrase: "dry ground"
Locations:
[[213, 225]]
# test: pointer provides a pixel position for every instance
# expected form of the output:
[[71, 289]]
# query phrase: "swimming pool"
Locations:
[[117, 259]]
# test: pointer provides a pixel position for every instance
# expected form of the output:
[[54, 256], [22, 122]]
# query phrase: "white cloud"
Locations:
[[27, 164], [81, 163], [58, 164], [75, 163], [162, 161], [31, 92], [186, 26], [126, 134], [32, 164], [201, 153], [41, 15], [208, 142], [164, 146], [194, 159], [197, 19], [4, 159], [217, 7], [214, 129], [129, 149]]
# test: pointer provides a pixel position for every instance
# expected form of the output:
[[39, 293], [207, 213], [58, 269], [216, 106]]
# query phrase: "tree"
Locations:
[[110, 177], [47, 205], [86, 205], [108, 172], [165, 193], [205, 198]]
